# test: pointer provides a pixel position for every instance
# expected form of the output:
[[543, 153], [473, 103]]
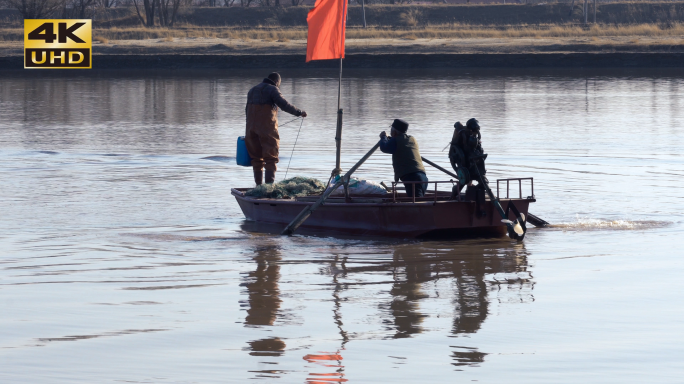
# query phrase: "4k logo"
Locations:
[[57, 43]]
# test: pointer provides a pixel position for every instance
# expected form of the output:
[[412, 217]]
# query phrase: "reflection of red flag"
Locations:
[[327, 23]]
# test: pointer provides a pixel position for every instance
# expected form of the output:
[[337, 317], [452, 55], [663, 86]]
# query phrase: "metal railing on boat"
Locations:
[[413, 187], [508, 186], [455, 183]]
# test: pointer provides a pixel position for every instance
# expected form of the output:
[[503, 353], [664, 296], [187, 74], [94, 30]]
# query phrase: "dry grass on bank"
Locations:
[[447, 32], [432, 32]]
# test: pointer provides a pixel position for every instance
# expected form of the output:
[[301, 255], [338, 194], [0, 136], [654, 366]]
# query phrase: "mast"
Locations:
[[340, 112], [338, 132]]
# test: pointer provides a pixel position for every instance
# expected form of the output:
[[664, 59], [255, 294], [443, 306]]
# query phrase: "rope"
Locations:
[[293, 147], [280, 125]]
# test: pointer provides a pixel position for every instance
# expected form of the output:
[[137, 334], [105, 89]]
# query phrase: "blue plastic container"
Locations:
[[242, 156]]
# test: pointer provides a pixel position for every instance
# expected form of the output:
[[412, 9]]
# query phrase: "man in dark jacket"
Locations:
[[405, 157], [466, 154], [261, 135]]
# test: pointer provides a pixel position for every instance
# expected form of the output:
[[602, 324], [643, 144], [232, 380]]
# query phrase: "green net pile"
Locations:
[[293, 187]]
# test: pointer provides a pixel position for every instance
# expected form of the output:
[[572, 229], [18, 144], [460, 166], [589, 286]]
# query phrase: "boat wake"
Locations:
[[223, 159], [179, 237], [587, 224]]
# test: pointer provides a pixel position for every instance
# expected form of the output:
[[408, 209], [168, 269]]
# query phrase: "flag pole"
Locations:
[[338, 132]]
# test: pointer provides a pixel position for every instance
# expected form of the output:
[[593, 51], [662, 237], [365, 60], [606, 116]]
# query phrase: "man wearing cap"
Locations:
[[405, 157], [261, 136]]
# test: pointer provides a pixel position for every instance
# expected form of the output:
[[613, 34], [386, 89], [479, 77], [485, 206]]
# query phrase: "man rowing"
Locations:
[[405, 158]]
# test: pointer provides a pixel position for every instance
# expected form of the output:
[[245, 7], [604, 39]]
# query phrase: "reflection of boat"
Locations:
[[474, 275], [392, 215], [418, 281]]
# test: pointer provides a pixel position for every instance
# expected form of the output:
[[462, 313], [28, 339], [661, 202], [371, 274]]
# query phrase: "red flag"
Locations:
[[327, 24]]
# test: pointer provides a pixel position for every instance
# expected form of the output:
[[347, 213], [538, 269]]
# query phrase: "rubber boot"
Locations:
[[270, 176], [258, 176]]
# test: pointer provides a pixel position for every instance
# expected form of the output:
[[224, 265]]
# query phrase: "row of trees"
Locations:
[[66, 9], [164, 11]]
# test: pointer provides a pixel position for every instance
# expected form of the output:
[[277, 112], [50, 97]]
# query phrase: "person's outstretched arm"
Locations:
[[283, 104]]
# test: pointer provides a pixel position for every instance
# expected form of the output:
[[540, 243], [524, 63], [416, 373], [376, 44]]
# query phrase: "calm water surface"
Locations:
[[125, 259]]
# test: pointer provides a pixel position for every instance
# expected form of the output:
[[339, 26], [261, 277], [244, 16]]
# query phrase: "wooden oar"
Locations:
[[532, 219], [438, 167], [306, 212]]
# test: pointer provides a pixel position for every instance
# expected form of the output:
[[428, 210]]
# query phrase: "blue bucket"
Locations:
[[242, 156]]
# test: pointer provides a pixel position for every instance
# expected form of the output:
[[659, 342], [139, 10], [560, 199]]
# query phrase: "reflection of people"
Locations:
[[468, 266], [264, 299], [405, 307], [472, 294], [405, 157], [271, 346], [262, 288], [261, 135]]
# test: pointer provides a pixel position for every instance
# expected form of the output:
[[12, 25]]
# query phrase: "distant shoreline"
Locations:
[[392, 60]]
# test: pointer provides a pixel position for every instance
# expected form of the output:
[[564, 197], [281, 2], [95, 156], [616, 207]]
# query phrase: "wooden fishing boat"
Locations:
[[438, 213], [395, 214]]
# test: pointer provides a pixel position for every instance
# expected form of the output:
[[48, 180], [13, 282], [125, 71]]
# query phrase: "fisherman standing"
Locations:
[[405, 157], [261, 136], [466, 154]]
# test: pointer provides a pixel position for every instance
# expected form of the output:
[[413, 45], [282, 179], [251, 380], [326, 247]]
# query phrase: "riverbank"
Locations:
[[624, 51], [391, 60], [428, 36]]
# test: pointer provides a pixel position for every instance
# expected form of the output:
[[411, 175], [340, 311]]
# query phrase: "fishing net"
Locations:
[[293, 187]]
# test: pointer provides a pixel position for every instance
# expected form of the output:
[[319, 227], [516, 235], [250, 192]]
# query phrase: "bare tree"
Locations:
[[167, 11], [297, 2], [107, 3], [35, 9], [585, 11], [149, 6], [77, 9], [246, 3], [228, 3]]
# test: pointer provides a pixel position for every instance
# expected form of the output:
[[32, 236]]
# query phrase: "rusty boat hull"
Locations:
[[432, 216]]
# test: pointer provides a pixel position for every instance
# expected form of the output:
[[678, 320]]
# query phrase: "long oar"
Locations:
[[512, 233], [306, 212], [438, 167]]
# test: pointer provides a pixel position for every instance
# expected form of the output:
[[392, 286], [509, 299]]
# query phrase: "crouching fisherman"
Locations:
[[261, 136], [405, 157]]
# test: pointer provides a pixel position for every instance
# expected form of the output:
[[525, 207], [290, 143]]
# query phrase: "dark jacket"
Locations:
[[405, 154], [267, 93]]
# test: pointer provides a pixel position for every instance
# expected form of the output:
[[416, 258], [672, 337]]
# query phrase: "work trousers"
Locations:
[[261, 136], [420, 187]]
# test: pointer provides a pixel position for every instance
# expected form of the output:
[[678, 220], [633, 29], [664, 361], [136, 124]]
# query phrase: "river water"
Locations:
[[124, 258]]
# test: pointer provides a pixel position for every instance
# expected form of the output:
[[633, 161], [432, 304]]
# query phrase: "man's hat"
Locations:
[[400, 125]]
